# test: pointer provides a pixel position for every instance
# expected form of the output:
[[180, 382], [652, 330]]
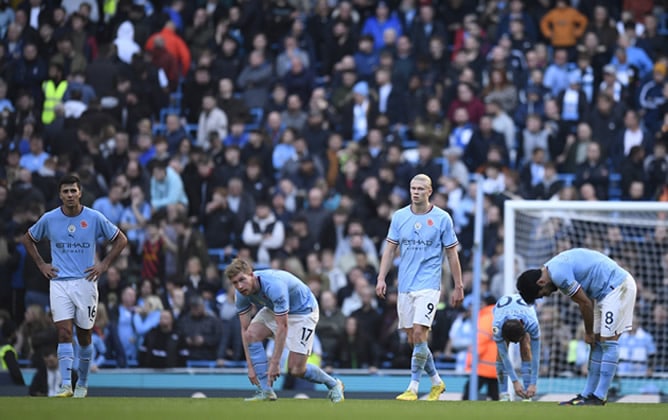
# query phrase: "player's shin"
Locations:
[[430, 369], [65, 360], [418, 361], [85, 355], [609, 360], [318, 376], [594, 371], [258, 358]]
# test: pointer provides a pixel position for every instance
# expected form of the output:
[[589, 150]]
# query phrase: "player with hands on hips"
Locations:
[[73, 230]]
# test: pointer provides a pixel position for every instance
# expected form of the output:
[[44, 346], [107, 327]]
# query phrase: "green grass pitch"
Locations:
[[24, 408]]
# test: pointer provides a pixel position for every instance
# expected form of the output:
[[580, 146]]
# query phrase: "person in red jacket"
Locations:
[[174, 44]]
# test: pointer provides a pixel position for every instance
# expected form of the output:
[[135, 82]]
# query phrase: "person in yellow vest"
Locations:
[[54, 89], [8, 355], [487, 351]]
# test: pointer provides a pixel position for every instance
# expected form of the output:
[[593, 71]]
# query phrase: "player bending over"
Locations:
[[516, 322], [585, 276]]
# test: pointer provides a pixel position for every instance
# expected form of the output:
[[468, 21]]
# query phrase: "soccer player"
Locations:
[[585, 276], [421, 232], [286, 310], [73, 230], [516, 322]]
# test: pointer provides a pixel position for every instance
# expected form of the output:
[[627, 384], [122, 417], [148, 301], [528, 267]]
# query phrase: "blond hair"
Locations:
[[422, 178], [238, 265]]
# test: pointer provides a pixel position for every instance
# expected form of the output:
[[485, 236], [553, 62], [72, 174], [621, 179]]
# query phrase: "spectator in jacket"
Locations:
[[162, 346], [201, 331]]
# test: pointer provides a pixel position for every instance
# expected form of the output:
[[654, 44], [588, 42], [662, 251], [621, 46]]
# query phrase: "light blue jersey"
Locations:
[[583, 268], [281, 292], [421, 239], [72, 239], [513, 307]]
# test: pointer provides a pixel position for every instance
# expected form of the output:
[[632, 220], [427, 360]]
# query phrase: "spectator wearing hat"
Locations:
[[359, 114], [651, 98], [611, 85]]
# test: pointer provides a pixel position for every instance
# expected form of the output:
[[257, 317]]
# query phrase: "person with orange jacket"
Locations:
[[487, 352], [174, 44], [563, 25]]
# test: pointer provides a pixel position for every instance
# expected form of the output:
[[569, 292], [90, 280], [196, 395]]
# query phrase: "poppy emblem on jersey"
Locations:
[[430, 222], [418, 226], [84, 224], [71, 228]]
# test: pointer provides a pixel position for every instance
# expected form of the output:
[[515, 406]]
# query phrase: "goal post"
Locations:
[[635, 235]]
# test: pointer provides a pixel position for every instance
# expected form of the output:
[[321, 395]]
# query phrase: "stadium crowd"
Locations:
[[286, 132]]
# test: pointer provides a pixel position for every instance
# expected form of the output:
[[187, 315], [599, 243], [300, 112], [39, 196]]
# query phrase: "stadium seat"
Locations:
[[191, 129], [201, 364], [257, 114], [159, 129], [567, 179], [615, 187]]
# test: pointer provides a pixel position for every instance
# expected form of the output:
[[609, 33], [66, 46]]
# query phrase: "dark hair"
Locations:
[[513, 330], [527, 286], [69, 179]]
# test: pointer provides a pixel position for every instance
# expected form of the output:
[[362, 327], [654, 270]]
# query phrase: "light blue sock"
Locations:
[[430, 369], [501, 378], [608, 367], [318, 376], [525, 371], [65, 359], [594, 369], [419, 360], [259, 360], [85, 354]]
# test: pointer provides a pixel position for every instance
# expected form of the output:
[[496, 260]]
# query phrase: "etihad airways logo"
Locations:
[[73, 245], [416, 242]]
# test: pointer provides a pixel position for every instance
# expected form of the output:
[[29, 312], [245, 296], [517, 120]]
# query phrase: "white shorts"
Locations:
[[74, 299], [301, 329], [417, 308], [614, 313]]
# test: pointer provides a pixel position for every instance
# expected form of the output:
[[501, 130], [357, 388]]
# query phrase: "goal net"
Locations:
[[635, 235]]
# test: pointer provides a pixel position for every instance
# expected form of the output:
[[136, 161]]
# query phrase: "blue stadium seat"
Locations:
[[615, 187], [159, 129], [201, 363], [257, 114], [567, 179], [191, 129]]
